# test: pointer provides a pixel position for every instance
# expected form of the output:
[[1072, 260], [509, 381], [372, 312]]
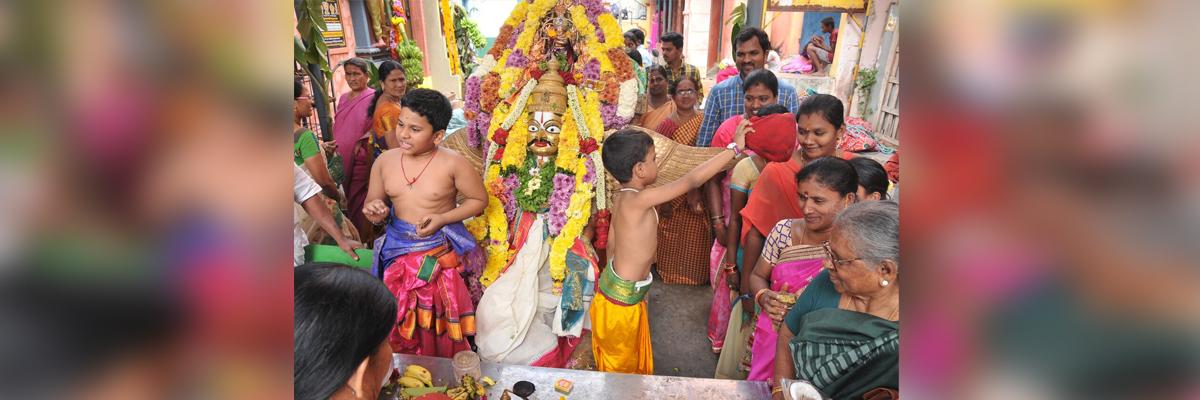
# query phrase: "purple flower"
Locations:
[[474, 130], [591, 71], [593, 8], [510, 201], [512, 40], [517, 59], [560, 199], [591, 170], [608, 112], [599, 32]]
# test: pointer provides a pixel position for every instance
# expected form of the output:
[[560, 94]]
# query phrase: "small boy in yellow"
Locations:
[[620, 330]]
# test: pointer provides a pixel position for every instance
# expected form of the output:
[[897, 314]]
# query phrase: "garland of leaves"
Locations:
[[534, 189]]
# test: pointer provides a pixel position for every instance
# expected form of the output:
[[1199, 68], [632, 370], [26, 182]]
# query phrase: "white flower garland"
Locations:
[[519, 106], [601, 177], [628, 98], [577, 112]]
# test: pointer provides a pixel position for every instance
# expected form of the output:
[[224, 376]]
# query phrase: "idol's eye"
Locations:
[[553, 129], [533, 128]]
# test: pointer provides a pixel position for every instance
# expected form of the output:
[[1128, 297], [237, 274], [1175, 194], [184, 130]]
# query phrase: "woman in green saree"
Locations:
[[843, 332]]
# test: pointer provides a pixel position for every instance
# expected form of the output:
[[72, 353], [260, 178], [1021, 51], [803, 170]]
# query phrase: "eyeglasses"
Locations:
[[686, 92], [835, 261]]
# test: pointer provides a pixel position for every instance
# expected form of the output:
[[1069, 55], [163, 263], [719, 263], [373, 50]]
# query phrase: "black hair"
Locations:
[[661, 70], [772, 109], [673, 38], [754, 33], [827, 106], [431, 104], [871, 176], [623, 150], [639, 37], [762, 77], [342, 314], [385, 69], [689, 77], [299, 87], [635, 55], [833, 172], [630, 36], [361, 64], [827, 21]]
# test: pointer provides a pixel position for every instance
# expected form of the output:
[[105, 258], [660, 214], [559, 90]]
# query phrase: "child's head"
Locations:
[[762, 89], [825, 187], [819, 125], [772, 109], [872, 179], [629, 156], [423, 119]]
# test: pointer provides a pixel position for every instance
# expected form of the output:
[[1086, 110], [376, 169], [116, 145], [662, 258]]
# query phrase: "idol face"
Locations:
[[544, 129]]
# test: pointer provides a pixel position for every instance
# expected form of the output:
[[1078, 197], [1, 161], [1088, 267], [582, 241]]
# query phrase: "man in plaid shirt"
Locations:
[[671, 44], [726, 99]]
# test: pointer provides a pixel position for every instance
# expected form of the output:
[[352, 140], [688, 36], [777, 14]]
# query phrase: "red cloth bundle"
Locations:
[[774, 136]]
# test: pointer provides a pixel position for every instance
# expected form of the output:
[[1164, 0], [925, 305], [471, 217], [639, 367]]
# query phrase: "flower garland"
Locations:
[[564, 189], [448, 34]]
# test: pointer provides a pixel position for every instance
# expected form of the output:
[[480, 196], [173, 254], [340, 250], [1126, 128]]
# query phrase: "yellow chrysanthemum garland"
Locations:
[[448, 33], [577, 125]]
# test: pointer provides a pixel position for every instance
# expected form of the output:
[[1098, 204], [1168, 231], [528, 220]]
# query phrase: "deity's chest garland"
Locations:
[[555, 80]]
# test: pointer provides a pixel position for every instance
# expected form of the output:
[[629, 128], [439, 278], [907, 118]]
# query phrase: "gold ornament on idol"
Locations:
[[546, 106]]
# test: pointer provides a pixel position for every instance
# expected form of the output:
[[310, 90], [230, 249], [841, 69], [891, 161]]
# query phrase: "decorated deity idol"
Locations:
[[539, 105]]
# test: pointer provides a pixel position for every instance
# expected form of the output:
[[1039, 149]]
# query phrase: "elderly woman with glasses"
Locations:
[[793, 253], [843, 335]]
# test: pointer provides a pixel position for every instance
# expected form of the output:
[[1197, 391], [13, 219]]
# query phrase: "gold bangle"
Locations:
[[758, 294], [777, 389]]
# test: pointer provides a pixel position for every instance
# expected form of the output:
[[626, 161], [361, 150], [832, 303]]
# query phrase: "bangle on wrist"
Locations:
[[758, 295], [777, 389]]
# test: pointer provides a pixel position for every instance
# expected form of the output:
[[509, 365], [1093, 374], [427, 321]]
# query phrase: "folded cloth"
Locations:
[[774, 136]]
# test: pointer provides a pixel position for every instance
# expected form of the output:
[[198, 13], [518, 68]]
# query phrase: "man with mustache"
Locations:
[[727, 98]]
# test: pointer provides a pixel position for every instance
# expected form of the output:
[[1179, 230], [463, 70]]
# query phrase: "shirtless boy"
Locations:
[[421, 256], [618, 344]]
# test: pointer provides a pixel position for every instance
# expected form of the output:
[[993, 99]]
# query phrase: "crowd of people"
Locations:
[[798, 240]]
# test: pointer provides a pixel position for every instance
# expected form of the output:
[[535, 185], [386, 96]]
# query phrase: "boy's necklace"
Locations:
[[414, 180]]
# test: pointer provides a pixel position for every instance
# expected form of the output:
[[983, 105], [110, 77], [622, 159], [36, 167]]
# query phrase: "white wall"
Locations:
[[696, 16]]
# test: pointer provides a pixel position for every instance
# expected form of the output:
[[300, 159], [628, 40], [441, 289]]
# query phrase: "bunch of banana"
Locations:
[[416, 376], [468, 389]]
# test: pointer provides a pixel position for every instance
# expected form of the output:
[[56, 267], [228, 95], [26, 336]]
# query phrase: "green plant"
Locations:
[[867, 77], [410, 59], [738, 18], [309, 47]]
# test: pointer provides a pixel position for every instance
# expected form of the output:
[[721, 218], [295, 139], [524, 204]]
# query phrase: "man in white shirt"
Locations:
[[305, 192]]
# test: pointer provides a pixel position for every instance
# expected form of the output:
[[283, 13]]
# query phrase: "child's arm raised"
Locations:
[[466, 181], [695, 177]]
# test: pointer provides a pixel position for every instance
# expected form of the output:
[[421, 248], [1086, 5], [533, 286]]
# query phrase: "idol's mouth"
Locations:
[[540, 143]]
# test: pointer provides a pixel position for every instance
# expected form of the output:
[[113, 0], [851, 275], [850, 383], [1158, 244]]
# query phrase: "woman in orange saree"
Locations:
[[683, 235], [659, 99]]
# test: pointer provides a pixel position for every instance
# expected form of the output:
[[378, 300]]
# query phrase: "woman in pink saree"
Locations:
[[794, 253], [351, 123]]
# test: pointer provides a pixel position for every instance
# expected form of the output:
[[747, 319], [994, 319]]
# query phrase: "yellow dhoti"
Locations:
[[620, 328]]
